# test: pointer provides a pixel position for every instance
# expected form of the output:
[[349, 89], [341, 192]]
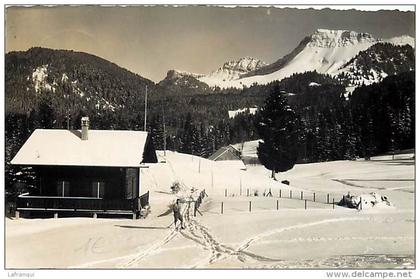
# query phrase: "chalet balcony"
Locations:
[[82, 204]]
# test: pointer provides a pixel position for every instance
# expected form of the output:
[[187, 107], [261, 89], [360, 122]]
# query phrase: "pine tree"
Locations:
[[278, 127], [156, 132], [367, 136], [199, 141], [46, 114], [187, 137], [321, 140]]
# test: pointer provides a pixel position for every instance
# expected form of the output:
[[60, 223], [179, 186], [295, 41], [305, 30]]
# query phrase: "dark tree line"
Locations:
[[373, 120]]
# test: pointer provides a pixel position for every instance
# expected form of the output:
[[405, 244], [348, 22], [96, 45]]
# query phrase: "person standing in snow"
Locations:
[[177, 213]]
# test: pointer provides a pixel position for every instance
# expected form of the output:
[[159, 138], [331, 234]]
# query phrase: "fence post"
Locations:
[[301, 195], [328, 198], [221, 209], [333, 203], [277, 204], [305, 204], [314, 196], [290, 194], [249, 206], [361, 204], [247, 192], [280, 194], [225, 192]]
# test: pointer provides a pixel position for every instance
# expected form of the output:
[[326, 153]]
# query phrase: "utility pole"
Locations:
[[145, 110], [164, 132], [68, 120]]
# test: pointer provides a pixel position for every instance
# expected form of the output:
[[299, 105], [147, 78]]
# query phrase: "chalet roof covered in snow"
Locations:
[[226, 153], [109, 148]]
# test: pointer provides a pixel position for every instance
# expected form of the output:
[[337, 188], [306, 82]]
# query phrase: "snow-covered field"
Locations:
[[288, 237]]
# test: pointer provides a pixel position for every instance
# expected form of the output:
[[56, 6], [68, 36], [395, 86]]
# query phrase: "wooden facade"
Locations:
[[97, 190], [99, 182]]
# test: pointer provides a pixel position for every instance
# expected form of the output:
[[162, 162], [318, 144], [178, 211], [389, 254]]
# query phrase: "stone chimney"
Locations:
[[85, 128]]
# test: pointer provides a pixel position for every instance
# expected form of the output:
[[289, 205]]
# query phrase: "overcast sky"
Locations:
[[151, 40]]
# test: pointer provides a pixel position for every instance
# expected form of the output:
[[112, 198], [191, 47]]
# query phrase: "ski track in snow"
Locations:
[[200, 234], [218, 251], [245, 244], [131, 259], [344, 238], [151, 250]]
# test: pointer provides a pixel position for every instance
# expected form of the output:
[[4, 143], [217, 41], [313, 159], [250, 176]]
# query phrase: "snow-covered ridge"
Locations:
[[177, 74], [244, 65], [339, 38], [401, 40], [233, 70]]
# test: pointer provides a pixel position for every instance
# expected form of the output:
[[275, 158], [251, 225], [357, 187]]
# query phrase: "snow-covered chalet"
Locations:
[[86, 171]]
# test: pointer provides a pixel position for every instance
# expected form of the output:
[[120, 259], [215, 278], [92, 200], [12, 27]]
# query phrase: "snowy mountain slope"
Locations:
[[325, 51], [401, 40], [376, 63], [41, 80], [233, 70], [84, 80], [271, 68], [196, 172], [185, 82], [178, 74]]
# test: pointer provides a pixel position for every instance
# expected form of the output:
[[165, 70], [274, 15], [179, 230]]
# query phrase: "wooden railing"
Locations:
[[79, 203]]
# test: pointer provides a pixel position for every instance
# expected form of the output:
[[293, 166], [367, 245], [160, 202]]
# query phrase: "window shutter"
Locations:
[[63, 188]]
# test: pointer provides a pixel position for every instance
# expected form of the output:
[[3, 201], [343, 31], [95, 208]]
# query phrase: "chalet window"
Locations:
[[63, 188], [98, 189]]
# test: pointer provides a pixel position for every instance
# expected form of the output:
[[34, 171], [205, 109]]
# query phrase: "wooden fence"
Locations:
[[308, 198]]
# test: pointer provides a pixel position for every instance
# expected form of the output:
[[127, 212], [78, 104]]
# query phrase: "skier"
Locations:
[[177, 213]]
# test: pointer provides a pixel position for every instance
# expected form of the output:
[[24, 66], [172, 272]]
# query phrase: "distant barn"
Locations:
[[228, 155], [248, 151], [86, 171]]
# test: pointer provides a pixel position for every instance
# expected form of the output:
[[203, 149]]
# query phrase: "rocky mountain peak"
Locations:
[[243, 65], [326, 38]]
